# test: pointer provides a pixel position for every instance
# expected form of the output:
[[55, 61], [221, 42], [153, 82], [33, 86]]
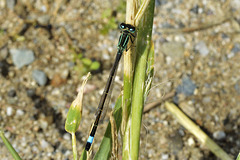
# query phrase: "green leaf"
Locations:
[[95, 65], [86, 61], [74, 117], [83, 155], [150, 71], [79, 56], [104, 151]]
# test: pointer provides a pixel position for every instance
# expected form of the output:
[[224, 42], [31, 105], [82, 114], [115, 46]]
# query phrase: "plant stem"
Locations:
[[142, 50], [129, 59], [9, 146], [128, 67], [74, 147], [141, 11], [196, 131]]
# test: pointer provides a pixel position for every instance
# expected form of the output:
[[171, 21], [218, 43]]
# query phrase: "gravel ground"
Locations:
[[197, 46]]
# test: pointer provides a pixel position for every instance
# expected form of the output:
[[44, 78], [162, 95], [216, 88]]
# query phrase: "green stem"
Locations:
[[143, 49], [129, 58], [74, 147], [9, 146], [137, 104]]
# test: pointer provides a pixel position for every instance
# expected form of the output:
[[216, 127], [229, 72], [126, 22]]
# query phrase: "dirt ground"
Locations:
[[197, 55]]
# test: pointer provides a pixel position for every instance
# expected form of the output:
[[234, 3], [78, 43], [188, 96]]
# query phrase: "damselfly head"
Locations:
[[128, 27]]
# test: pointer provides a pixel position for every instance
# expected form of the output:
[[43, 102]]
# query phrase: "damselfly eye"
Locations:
[[132, 29], [122, 26]]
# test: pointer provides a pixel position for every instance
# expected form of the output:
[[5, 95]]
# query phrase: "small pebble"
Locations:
[[195, 9], [187, 87], [181, 132], [151, 152], [22, 57], [56, 91], [12, 93], [65, 73], [191, 141], [40, 77], [31, 93], [44, 144], [230, 55], [43, 124], [202, 48], [228, 127], [106, 57], [166, 25], [175, 143], [11, 4], [219, 135], [168, 60], [9, 111], [237, 86], [66, 136], [19, 112], [67, 153], [216, 118], [164, 156], [235, 4], [71, 64], [165, 123], [23, 142], [3, 53], [7, 134], [38, 103], [236, 48], [206, 100], [57, 80]]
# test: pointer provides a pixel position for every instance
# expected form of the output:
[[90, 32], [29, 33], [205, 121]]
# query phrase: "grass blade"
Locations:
[[9, 146]]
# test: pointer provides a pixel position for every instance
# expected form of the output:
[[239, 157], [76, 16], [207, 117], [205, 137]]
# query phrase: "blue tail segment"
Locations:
[[89, 143], [90, 139]]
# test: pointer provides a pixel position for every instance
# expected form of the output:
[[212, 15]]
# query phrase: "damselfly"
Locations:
[[127, 32]]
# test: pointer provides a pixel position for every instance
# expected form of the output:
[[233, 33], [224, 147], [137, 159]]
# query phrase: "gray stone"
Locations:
[[11, 4], [40, 77], [237, 86], [3, 53], [236, 48], [44, 143], [202, 48], [219, 135], [187, 87], [22, 57], [206, 100], [175, 143]]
